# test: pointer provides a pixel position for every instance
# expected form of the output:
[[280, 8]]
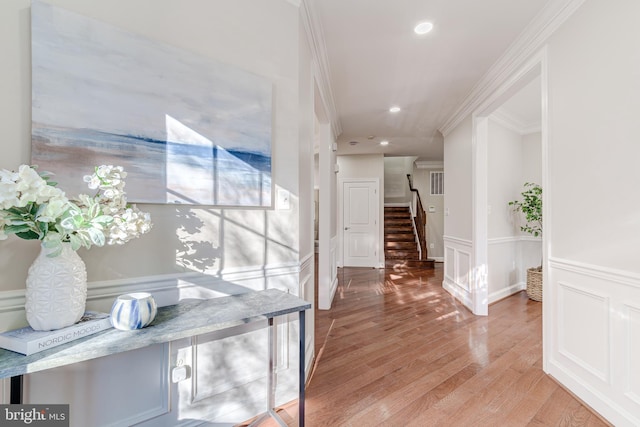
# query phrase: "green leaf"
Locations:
[[16, 228], [97, 236], [75, 241], [28, 235]]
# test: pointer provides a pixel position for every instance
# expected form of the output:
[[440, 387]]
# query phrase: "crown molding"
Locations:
[[534, 36], [425, 164], [315, 36], [513, 122]]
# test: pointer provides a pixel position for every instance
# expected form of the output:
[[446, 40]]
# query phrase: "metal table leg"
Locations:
[[301, 369], [271, 382], [15, 392]]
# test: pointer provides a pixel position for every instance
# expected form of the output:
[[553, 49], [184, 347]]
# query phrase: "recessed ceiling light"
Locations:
[[394, 109], [423, 28], [385, 142]]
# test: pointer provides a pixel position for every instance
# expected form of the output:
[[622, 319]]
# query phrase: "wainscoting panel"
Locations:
[[632, 342], [457, 277], [449, 264], [583, 329], [124, 389], [333, 253], [307, 293], [593, 347], [503, 275]]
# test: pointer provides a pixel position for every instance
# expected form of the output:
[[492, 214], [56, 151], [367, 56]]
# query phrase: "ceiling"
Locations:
[[375, 61]]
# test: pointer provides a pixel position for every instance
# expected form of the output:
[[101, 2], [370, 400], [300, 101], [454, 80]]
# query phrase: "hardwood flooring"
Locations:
[[397, 350]]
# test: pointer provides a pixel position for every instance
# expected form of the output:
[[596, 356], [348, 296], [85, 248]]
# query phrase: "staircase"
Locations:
[[400, 247]]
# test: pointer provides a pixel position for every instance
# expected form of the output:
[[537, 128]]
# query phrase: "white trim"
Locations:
[[622, 277], [425, 164], [458, 241], [163, 407], [599, 401], [12, 301], [315, 35], [511, 122], [479, 221], [562, 288], [306, 261], [604, 387], [166, 287], [398, 205], [529, 68], [535, 35], [512, 239], [503, 240], [507, 292]]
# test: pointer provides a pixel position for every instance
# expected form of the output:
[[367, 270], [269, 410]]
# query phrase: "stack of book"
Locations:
[[28, 341]]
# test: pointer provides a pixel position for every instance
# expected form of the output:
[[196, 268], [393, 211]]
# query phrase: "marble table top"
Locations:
[[185, 319]]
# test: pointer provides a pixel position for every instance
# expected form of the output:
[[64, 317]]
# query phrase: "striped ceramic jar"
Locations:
[[133, 311]]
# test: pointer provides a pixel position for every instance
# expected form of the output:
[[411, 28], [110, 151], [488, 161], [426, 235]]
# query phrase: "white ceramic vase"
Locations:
[[56, 290]]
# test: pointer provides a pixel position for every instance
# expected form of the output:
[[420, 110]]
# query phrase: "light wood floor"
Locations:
[[397, 350]]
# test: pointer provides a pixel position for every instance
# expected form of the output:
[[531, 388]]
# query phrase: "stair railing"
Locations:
[[419, 219]]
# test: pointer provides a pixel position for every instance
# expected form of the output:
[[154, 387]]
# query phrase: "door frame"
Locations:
[[534, 67], [380, 263]]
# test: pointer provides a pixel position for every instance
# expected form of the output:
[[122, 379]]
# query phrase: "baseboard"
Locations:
[[455, 290], [593, 398], [506, 292]]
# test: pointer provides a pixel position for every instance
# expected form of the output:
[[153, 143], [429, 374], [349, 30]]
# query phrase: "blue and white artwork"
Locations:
[[186, 128]]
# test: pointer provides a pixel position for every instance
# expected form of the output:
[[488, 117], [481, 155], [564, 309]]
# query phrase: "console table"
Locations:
[[185, 319]]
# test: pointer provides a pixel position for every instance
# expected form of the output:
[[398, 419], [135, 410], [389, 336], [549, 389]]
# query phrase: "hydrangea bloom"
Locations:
[[31, 207]]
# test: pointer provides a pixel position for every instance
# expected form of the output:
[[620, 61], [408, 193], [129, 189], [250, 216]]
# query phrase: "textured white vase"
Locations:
[[56, 290]]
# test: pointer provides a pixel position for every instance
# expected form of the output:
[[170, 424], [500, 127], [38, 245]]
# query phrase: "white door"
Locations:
[[360, 220]]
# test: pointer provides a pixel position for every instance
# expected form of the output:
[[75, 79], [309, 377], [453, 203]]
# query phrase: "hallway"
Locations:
[[397, 350]]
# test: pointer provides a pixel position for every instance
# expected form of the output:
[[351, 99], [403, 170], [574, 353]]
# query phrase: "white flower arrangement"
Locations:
[[33, 208]]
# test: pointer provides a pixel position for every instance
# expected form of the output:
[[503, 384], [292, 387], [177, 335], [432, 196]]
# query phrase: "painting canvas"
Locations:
[[186, 128]]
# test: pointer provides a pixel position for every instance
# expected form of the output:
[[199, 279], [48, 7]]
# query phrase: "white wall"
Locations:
[[532, 156], [306, 182], [592, 290], [591, 313], [236, 249], [435, 220], [458, 211], [361, 166], [513, 159], [396, 185]]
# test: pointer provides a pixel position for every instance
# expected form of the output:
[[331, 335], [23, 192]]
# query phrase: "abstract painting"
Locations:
[[187, 128]]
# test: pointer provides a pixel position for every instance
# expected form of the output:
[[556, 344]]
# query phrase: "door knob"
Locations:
[[346, 228]]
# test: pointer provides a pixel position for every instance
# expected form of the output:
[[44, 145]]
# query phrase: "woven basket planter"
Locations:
[[534, 283]]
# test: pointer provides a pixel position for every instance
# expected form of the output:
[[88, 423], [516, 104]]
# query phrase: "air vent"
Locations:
[[437, 183], [353, 142]]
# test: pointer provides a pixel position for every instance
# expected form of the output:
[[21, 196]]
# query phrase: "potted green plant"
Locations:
[[531, 206]]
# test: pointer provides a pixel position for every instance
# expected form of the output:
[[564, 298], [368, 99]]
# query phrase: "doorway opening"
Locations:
[[509, 149]]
